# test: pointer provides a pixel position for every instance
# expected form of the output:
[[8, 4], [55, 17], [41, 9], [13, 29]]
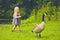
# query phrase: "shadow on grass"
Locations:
[[46, 37]]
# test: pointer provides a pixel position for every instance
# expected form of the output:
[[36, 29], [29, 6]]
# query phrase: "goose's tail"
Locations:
[[32, 31]]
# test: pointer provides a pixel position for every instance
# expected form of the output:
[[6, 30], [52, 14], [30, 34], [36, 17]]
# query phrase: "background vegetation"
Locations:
[[52, 7]]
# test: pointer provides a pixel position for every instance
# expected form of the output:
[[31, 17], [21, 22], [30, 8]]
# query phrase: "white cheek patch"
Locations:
[[45, 14]]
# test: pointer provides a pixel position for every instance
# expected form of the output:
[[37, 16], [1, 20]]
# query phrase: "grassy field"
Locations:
[[51, 32]]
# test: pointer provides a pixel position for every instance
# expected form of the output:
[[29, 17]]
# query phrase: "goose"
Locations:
[[40, 27]]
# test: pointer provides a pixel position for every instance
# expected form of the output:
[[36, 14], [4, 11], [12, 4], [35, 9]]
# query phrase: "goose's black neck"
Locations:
[[43, 18]]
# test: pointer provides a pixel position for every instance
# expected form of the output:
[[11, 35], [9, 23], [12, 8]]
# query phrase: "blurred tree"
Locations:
[[26, 7]]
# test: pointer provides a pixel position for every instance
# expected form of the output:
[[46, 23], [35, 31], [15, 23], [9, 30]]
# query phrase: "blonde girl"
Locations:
[[16, 19]]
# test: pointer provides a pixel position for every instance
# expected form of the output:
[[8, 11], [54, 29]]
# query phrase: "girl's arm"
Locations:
[[15, 15]]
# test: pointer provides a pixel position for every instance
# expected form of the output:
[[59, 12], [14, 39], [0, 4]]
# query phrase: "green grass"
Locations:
[[51, 32]]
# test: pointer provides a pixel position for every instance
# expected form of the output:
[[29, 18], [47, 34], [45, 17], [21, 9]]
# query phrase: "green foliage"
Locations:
[[27, 7], [22, 11]]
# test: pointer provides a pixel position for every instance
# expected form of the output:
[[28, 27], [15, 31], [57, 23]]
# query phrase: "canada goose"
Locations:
[[40, 27]]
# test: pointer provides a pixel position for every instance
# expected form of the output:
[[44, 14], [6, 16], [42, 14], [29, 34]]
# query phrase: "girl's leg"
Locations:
[[14, 28], [19, 28]]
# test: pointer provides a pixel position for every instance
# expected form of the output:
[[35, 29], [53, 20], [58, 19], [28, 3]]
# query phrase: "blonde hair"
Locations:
[[16, 9]]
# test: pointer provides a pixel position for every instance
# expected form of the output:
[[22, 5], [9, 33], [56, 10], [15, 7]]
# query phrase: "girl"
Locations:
[[16, 19]]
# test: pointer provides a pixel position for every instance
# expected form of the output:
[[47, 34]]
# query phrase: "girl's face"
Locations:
[[16, 9]]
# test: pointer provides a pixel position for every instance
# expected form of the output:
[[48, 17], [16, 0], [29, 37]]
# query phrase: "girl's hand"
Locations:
[[20, 16]]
